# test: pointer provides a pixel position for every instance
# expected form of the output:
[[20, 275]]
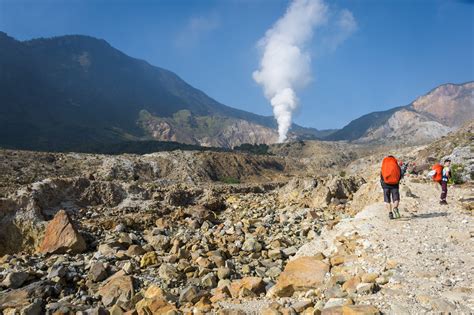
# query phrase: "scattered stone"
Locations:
[[57, 272], [253, 284], [337, 260], [135, 250], [118, 288], [106, 250], [360, 310], [370, 277], [168, 272], [337, 302], [223, 273], [274, 254], [97, 272], [350, 286], [14, 279], [154, 302], [116, 310], [61, 236], [21, 297], [365, 288], [301, 305], [35, 308], [290, 251], [209, 281], [189, 294], [128, 268], [149, 259], [382, 280], [251, 245], [220, 294], [203, 305], [206, 259], [302, 273]]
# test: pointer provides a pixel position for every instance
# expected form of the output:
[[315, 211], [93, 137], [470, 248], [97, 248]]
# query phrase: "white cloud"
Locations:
[[343, 26], [196, 28]]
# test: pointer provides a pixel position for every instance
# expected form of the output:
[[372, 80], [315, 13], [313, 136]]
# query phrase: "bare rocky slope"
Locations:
[[450, 104], [429, 117]]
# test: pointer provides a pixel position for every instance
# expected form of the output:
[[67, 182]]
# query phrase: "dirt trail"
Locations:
[[429, 252]]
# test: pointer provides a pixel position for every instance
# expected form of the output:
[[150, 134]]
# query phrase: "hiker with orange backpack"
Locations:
[[442, 174], [390, 177]]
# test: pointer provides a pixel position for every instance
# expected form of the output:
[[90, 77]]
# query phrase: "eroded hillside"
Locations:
[[217, 232]]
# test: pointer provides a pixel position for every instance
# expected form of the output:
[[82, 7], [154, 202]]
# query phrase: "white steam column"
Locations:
[[285, 65]]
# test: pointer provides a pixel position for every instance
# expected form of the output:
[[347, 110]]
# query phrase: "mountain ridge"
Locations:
[[68, 91], [439, 111], [77, 92]]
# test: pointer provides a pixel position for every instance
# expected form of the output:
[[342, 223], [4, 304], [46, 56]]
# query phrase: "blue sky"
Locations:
[[399, 50]]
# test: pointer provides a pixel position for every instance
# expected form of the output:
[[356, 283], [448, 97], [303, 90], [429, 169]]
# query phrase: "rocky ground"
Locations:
[[164, 234], [90, 233]]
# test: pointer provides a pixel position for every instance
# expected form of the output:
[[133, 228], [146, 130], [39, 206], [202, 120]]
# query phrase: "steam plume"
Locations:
[[285, 64]]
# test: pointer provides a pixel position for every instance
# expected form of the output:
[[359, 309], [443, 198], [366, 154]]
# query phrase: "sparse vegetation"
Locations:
[[229, 180], [456, 171], [261, 149]]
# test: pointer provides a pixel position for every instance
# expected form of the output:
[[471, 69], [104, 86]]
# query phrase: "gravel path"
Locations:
[[431, 245]]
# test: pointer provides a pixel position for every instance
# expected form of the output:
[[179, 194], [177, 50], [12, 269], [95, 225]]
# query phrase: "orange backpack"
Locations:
[[390, 171], [438, 176]]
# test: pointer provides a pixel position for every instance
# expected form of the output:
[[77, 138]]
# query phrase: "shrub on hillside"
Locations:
[[229, 180], [260, 149], [456, 174]]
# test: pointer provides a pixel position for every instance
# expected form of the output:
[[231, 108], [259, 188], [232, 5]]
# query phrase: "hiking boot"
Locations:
[[396, 213], [443, 202], [390, 215]]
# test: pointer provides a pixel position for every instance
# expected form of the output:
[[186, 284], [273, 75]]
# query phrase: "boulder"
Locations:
[[14, 279], [62, 237], [154, 302], [253, 284], [20, 298], [118, 287], [302, 273], [335, 187]]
